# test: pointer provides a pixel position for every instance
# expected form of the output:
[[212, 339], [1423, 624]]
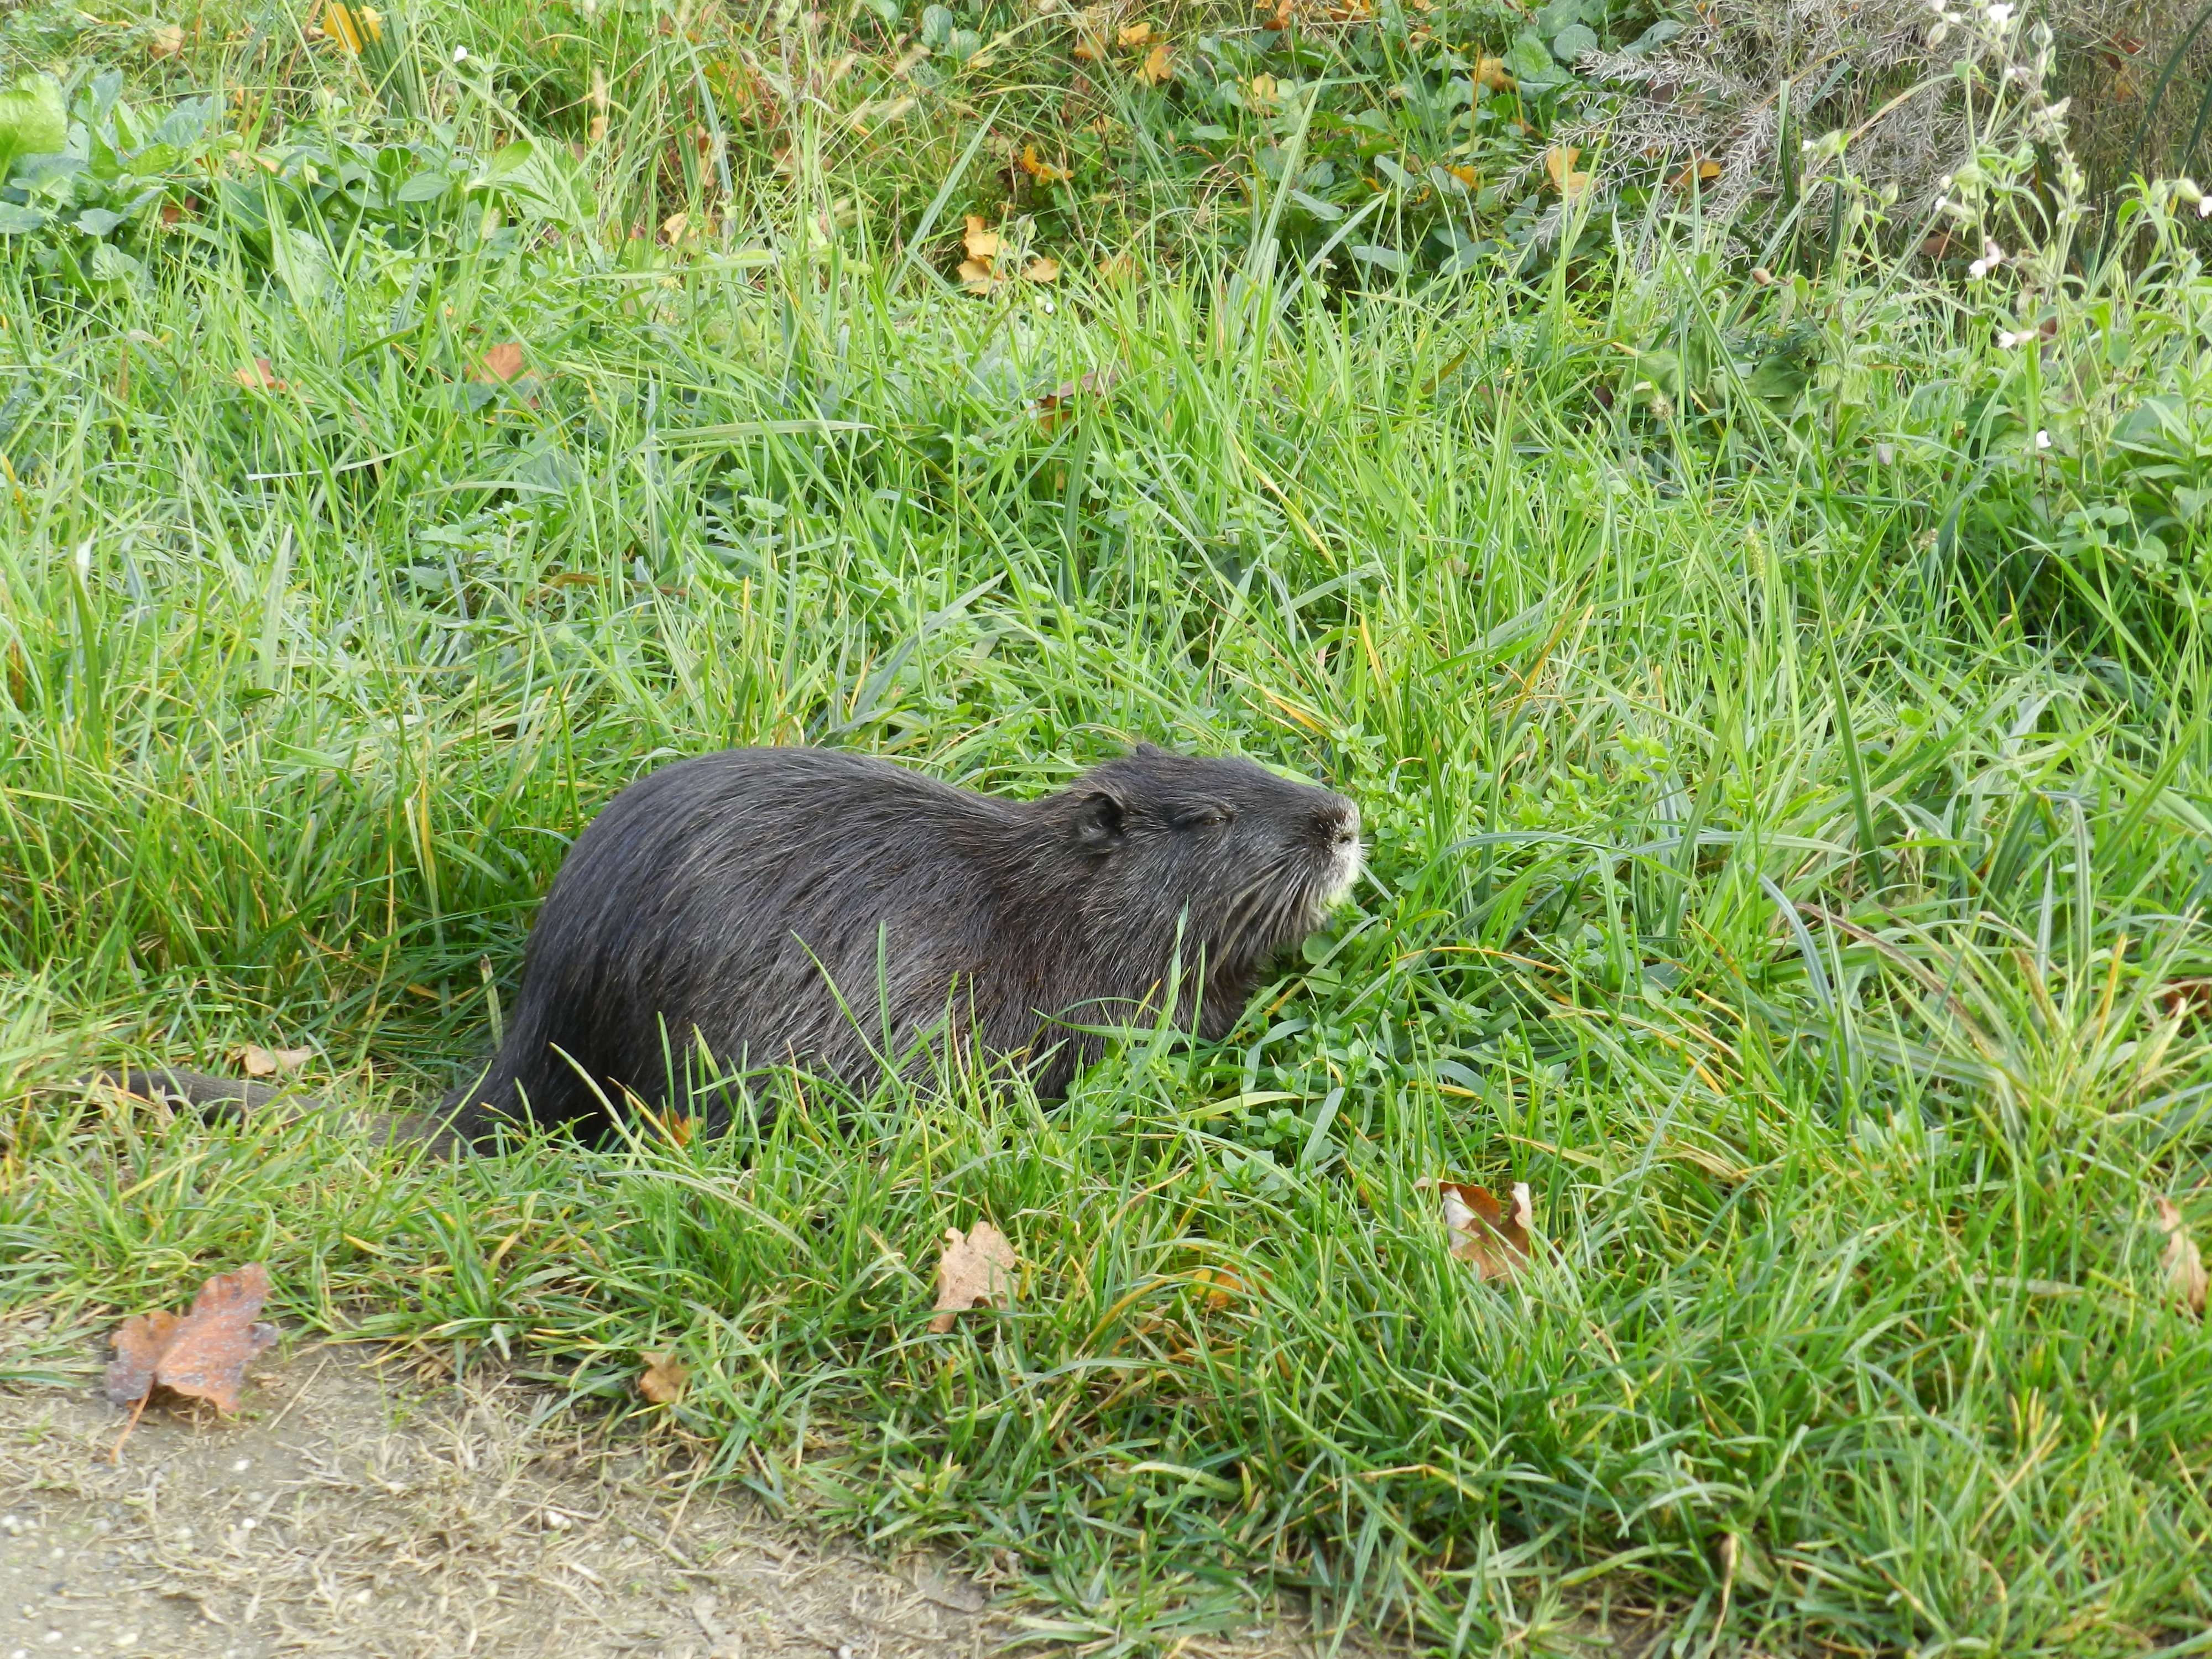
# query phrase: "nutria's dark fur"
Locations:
[[721, 899]]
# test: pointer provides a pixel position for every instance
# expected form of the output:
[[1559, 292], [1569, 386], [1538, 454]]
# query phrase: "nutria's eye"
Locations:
[[1199, 818]]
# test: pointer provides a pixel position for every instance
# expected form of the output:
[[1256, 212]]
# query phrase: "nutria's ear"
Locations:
[[1098, 823], [1148, 752]]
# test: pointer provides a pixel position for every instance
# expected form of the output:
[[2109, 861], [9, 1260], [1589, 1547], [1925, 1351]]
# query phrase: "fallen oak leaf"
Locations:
[[203, 1353], [1484, 1233], [663, 1379], [977, 1268], [2183, 1262]]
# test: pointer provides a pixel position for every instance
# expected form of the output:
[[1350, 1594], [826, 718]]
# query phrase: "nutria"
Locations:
[[805, 907]]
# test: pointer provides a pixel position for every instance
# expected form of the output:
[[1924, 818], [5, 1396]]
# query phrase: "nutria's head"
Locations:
[[1244, 862]]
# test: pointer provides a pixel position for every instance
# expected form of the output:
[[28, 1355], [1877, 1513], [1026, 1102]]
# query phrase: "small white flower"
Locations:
[[2043, 440], [2007, 340], [2204, 207], [1979, 268], [1884, 453], [2001, 15], [460, 54]]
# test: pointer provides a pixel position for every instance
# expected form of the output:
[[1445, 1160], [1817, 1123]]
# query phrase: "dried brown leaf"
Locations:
[[1054, 408], [267, 1062], [975, 1269], [502, 362], [166, 41], [1559, 169], [663, 1379], [1134, 34], [1492, 1237], [258, 376], [1042, 270], [203, 1353], [1490, 73], [2185, 999], [2183, 1262], [1158, 65]]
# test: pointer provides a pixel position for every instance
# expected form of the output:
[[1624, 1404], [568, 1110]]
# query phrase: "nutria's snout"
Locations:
[[1340, 824]]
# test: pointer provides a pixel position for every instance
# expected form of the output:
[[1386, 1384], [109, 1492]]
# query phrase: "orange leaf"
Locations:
[[1701, 172], [1158, 65], [1559, 164], [502, 362], [1091, 51], [1134, 34], [1043, 172], [352, 28], [1042, 270], [975, 276], [1120, 269], [1490, 73], [1466, 175], [978, 1269], [1219, 1284], [1483, 1231], [258, 376], [203, 1353], [663, 1379], [981, 242]]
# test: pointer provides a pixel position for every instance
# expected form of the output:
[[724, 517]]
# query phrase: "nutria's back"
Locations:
[[776, 906]]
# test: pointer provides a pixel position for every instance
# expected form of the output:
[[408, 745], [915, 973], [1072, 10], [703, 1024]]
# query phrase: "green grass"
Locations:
[[1775, 880]]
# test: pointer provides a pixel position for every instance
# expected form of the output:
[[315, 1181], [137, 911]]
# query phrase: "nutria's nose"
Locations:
[[1340, 821]]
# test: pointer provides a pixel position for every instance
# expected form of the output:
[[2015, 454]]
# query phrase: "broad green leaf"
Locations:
[[32, 121]]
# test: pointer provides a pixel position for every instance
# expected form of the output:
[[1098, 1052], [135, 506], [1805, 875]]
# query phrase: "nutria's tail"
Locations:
[[222, 1097]]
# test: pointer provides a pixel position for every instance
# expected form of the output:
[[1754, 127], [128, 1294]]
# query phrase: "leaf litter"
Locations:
[[202, 1353], [663, 1379], [977, 1269], [268, 1062], [2183, 1262], [1494, 1238]]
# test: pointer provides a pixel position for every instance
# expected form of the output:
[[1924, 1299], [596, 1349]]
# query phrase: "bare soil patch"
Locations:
[[351, 1510]]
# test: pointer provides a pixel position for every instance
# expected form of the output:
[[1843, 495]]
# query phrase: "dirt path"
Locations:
[[348, 1511]]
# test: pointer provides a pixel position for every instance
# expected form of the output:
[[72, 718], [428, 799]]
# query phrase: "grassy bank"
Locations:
[[1788, 836]]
